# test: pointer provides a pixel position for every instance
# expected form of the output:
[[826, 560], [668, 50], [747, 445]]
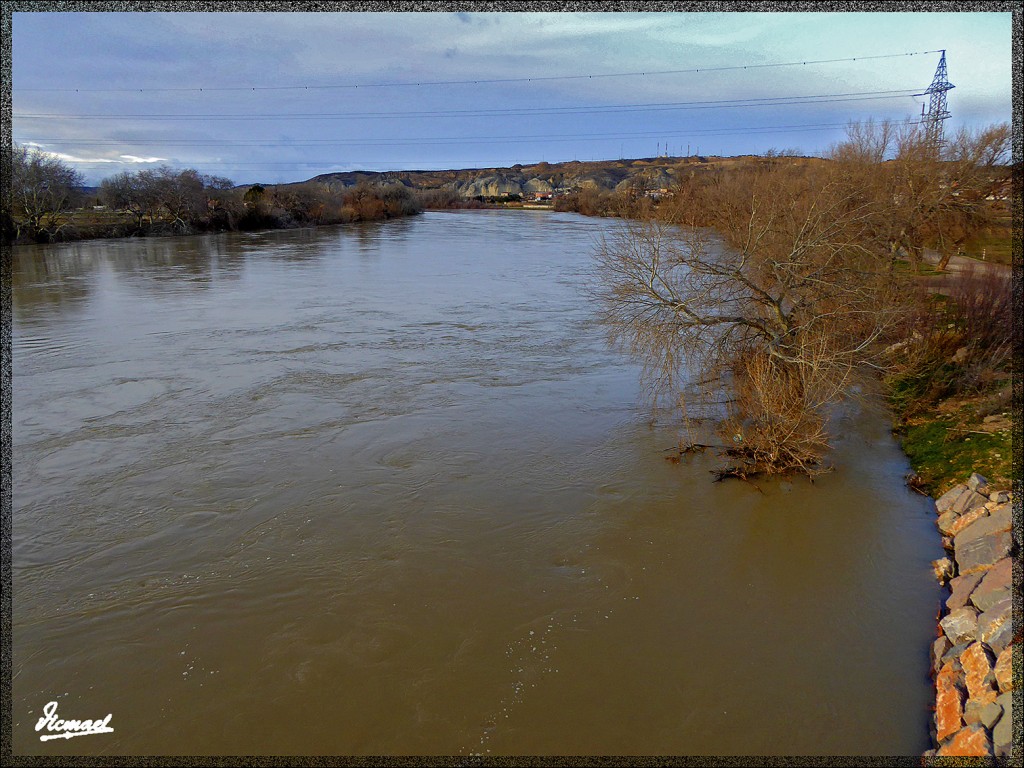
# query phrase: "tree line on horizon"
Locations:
[[45, 191]]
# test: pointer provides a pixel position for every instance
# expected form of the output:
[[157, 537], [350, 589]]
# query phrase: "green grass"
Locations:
[[913, 391], [994, 244], [943, 451], [924, 270]]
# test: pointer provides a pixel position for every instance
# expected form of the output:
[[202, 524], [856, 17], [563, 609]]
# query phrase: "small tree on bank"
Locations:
[[135, 193]]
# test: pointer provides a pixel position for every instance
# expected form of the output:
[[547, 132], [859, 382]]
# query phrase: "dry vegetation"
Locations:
[[761, 294], [950, 380]]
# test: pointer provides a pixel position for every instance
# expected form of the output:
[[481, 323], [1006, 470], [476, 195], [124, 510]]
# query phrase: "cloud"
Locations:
[[132, 159], [250, 63]]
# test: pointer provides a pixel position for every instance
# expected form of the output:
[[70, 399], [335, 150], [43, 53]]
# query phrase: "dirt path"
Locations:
[[957, 265]]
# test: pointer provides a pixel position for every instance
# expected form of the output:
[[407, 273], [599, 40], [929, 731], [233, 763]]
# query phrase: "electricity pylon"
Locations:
[[937, 111]]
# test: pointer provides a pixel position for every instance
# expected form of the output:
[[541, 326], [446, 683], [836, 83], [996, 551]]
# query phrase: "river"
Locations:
[[386, 489]]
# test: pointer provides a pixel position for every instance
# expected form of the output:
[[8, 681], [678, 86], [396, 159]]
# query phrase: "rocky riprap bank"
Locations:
[[972, 659]]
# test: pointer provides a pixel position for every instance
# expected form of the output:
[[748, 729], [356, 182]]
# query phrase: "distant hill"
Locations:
[[650, 173]]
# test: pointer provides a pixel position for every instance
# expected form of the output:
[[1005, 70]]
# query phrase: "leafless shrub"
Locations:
[[777, 420], [982, 305], [954, 343]]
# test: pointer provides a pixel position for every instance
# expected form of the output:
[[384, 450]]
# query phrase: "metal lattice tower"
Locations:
[[937, 111]]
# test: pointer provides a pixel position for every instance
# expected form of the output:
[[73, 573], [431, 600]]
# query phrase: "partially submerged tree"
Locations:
[[773, 289], [766, 292]]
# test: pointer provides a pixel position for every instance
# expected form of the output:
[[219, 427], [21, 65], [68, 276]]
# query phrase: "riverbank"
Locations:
[[950, 381], [972, 659], [212, 210]]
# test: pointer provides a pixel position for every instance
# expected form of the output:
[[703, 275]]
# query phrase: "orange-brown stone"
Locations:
[[949, 704], [964, 520], [1004, 669], [977, 664], [971, 741]]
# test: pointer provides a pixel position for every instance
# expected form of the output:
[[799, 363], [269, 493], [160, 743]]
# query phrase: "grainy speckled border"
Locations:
[[269, 5]]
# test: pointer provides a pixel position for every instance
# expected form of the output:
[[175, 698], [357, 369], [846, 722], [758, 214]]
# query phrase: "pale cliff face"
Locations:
[[646, 174]]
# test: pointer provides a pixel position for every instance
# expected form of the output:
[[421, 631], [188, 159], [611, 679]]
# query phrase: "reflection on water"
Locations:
[[385, 490]]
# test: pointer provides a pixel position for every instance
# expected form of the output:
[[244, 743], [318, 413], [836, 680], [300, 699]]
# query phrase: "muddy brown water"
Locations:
[[386, 490]]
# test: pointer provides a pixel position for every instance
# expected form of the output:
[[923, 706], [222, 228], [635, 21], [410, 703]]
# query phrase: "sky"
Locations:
[[273, 97]]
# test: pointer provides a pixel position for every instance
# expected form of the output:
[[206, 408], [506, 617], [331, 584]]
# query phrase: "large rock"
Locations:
[[961, 588], [976, 481], [953, 654], [990, 715], [961, 625], [1002, 509], [974, 712], [949, 702], [946, 500], [981, 552], [1002, 734], [971, 741], [995, 585], [964, 520], [967, 501], [1004, 668], [984, 542], [945, 521], [977, 663], [995, 627], [999, 519]]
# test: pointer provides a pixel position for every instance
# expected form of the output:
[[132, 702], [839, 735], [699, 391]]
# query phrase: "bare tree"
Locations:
[[183, 196], [42, 188], [768, 289], [935, 196], [773, 289], [136, 193]]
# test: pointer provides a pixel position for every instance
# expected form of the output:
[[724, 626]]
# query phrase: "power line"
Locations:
[[442, 140], [421, 83], [655, 107], [241, 165]]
